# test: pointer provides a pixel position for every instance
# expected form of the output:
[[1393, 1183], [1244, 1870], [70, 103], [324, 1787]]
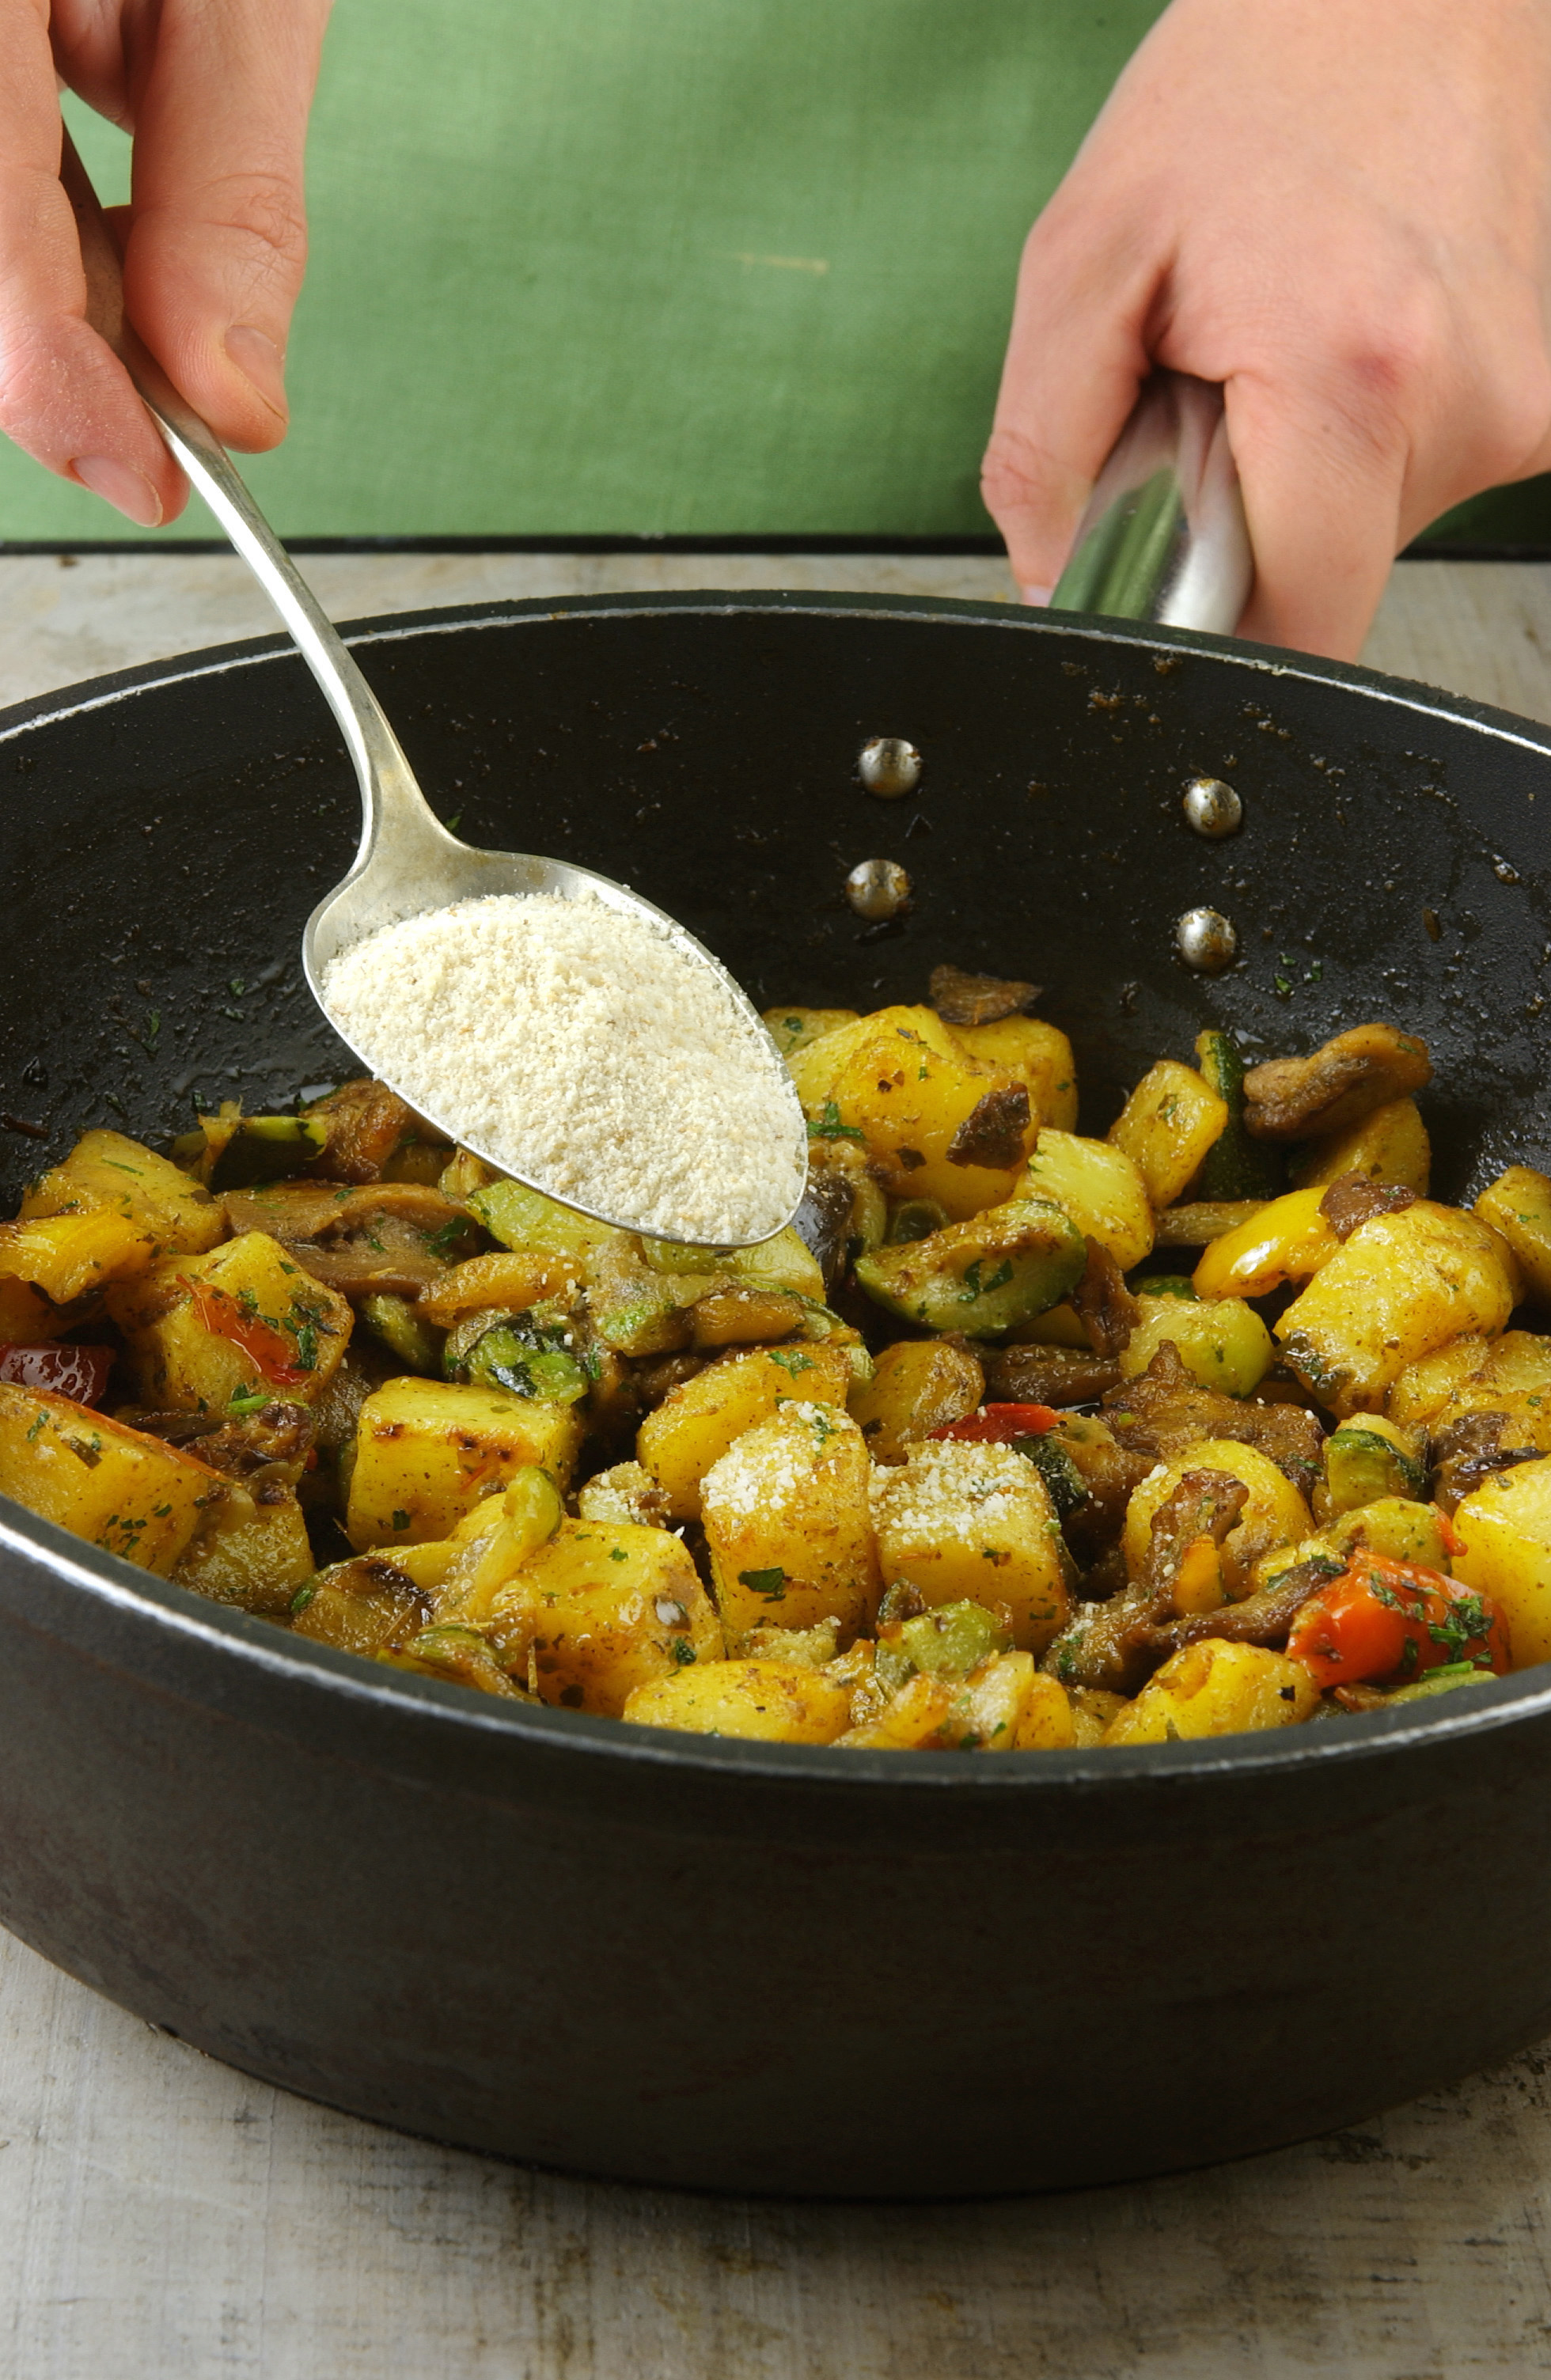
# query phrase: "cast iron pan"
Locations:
[[752, 1967]]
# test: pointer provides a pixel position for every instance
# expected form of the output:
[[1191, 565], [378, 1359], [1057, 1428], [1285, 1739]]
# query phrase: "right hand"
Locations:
[[214, 238]]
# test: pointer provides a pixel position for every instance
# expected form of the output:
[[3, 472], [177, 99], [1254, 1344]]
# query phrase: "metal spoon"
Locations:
[[407, 863]]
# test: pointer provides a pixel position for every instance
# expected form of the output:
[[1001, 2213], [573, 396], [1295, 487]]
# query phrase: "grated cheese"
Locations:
[[581, 1047]]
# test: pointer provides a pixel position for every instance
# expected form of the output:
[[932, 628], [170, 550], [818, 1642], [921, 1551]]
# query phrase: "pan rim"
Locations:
[[163, 1610]]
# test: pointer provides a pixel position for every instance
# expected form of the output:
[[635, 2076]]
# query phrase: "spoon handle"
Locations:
[[1164, 538], [390, 794]]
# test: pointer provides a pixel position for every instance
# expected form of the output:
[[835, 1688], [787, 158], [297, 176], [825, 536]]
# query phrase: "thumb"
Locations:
[[217, 241]]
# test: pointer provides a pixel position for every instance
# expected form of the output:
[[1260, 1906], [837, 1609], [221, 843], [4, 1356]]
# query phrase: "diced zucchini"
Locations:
[[982, 1276], [1368, 1459], [267, 1149], [1235, 1166], [395, 1322], [523, 1219]]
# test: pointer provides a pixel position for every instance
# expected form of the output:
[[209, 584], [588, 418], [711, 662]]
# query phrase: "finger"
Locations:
[[218, 241], [64, 395], [1322, 485], [1075, 358]]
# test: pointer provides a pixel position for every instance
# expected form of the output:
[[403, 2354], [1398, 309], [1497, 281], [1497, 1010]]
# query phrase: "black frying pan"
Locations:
[[750, 1966]]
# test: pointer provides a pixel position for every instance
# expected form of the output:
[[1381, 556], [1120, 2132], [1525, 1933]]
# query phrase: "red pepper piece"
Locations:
[[1000, 1425], [269, 1350], [1386, 1621], [78, 1373]]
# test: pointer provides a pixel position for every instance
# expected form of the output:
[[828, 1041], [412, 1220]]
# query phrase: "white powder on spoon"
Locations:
[[581, 1047]]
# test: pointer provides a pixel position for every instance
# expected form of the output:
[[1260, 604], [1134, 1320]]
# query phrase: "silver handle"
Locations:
[[389, 793], [1164, 537]]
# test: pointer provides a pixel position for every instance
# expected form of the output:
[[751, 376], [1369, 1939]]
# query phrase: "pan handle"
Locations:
[[1164, 537]]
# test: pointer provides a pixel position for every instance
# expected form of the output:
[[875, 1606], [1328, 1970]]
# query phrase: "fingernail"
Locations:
[[129, 490], [260, 363], [1039, 596]]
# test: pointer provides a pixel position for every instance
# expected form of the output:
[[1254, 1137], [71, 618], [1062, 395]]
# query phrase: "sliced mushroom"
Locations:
[[1354, 1198], [1303, 1099], [963, 998], [996, 1129]]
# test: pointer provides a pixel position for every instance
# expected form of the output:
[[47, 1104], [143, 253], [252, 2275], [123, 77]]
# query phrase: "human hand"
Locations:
[[217, 99], [1340, 209]]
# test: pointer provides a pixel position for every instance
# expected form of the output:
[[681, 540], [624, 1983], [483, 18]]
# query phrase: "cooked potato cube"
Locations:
[[787, 1526], [1039, 1054], [696, 1422], [428, 1452], [984, 1712], [611, 1609], [200, 1330], [1389, 1146], [252, 1551], [965, 1522], [773, 1702], [904, 1082], [107, 1170], [1048, 1723], [1275, 1512], [1221, 1341], [1098, 1185], [26, 1316], [65, 1257], [1215, 1688], [1504, 1533], [1166, 1127], [1288, 1239], [917, 1386], [1400, 1287], [1426, 1387], [1517, 1204], [119, 1489]]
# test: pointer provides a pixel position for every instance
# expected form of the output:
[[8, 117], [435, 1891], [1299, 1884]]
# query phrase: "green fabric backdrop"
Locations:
[[661, 267], [658, 267]]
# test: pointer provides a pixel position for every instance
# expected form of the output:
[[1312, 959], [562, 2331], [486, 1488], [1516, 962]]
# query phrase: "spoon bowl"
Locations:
[[407, 863]]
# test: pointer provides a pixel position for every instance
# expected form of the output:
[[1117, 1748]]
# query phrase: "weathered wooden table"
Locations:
[[165, 2220]]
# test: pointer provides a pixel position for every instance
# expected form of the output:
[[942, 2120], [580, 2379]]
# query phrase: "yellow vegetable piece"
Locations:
[[110, 1172], [1099, 1186], [1039, 1054], [1221, 1341], [1426, 1387], [1166, 1127], [1274, 1504], [26, 1316], [787, 1526], [964, 1521], [1048, 1723], [1402, 1286], [902, 1080], [1288, 1240], [772, 1702], [1398, 1527], [609, 1610], [127, 1493], [917, 1386], [1505, 1552], [508, 1279], [1388, 1145], [1215, 1688], [1517, 1204], [66, 1256], [696, 1422], [427, 1452], [181, 1366]]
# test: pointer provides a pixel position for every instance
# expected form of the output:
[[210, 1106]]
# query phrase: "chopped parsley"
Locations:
[[829, 1127], [771, 1583]]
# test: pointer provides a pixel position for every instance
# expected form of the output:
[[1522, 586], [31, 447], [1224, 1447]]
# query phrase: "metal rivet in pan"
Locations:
[[890, 767], [878, 889], [1205, 940], [1213, 809]]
